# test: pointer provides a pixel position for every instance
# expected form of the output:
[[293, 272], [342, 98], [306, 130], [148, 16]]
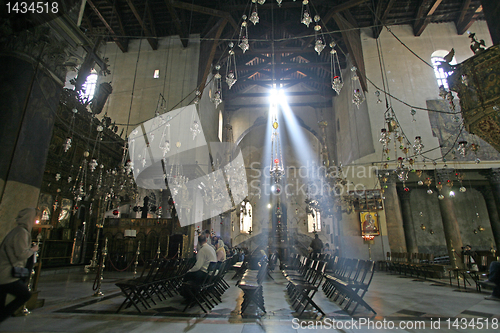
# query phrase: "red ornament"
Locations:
[[276, 161], [116, 212]]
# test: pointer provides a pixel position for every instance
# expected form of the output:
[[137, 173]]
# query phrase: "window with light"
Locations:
[[441, 75], [314, 221], [88, 88], [220, 126], [245, 217]]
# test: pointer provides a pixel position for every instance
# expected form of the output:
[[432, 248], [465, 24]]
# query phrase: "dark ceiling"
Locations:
[[281, 47]]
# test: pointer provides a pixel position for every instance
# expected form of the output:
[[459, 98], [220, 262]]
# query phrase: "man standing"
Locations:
[[205, 255], [316, 244]]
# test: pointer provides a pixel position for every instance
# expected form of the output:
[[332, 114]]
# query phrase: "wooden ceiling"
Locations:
[[281, 48]]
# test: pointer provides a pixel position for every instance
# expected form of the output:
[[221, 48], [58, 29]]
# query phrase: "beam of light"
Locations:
[[300, 142]]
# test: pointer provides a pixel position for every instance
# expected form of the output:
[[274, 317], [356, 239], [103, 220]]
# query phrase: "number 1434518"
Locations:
[[32, 7]]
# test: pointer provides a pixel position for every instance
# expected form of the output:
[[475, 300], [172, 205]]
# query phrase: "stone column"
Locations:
[[450, 223], [491, 10], [492, 197], [393, 216], [31, 79], [409, 228], [491, 205]]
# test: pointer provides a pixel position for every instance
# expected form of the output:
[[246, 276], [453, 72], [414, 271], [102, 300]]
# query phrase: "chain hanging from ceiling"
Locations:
[[231, 73], [337, 80]]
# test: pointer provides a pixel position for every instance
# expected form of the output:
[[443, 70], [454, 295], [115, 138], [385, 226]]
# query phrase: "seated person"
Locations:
[[327, 249], [220, 250], [205, 255]]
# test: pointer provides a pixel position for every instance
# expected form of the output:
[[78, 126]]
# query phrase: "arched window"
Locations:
[[220, 126], [441, 75], [88, 88], [313, 221], [245, 217]]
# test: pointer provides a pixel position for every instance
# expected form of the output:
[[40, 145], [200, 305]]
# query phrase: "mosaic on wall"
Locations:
[[446, 127]]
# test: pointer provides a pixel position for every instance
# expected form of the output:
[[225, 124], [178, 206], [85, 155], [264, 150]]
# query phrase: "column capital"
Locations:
[[387, 177], [443, 175], [39, 44], [493, 175]]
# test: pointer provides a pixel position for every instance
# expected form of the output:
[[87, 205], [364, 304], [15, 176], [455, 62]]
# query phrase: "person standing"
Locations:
[[316, 245], [15, 250]]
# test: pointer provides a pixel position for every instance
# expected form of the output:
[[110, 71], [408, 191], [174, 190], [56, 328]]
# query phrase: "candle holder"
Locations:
[[100, 270]]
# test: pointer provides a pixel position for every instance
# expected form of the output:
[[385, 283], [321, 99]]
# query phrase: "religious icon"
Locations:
[[369, 223]]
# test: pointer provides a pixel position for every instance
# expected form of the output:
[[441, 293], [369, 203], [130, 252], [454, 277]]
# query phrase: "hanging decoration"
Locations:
[[195, 127], [254, 17], [243, 38], [231, 73], [165, 137], [358, 96], [319, 45], [417, 145], [428, 182], [175, 177], [305, 15], [277, 169], [337, 80], [217, 88], [69, 137]]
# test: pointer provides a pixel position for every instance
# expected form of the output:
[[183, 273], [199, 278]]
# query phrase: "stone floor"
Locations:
[[71, 307]]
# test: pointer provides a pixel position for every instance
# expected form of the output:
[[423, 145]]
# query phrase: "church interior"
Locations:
[[135, 126]]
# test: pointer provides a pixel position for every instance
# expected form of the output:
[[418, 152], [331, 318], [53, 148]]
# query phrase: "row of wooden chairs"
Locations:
[[159, 278], [304, 282], [415, 264], [208, 293], [347, 282], [251, 285]]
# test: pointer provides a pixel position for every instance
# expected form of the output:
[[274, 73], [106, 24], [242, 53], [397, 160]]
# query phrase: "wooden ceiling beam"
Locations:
[[352, 40], [289, 94], [122, 44], [377, 29], [181, 28], [118, 16], [424, 13], [205, 10], [233, 107], [463, 12], [208, 65], [334, 10], [153, 41], [290, 65], [463, 26]]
